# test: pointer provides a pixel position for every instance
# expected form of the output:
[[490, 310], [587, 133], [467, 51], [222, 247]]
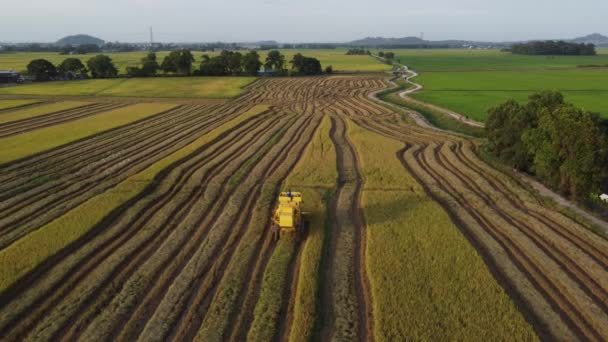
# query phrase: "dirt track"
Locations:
[[158, 267]]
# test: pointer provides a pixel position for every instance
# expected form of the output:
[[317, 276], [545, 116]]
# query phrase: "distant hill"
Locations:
[[415, 41], [79, 39], [377, 41], [595, 38]]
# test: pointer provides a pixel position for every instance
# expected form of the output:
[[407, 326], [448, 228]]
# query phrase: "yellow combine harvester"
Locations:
[[287, 217]]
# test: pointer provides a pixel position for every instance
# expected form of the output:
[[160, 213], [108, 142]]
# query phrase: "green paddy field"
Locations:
[[472, 81]]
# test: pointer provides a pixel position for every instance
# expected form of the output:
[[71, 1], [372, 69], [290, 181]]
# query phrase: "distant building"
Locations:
[[269, 72], [7, 76]]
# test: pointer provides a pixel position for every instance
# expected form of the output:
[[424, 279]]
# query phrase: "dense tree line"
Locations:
[[100, 66], [235, 63], [552, 47], [80, 49], [180, 63], [357, 52], [230, 63], [386, 55], [564, 146], [149, 67], [301, 65]]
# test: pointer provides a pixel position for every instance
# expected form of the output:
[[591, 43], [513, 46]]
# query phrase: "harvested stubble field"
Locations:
[[171, 87], [158, 229]]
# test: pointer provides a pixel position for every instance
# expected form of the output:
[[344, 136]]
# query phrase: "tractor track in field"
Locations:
[[46, 120], [576, 254], [350, 316], [97, 147], [189, 313], [112, 244], [525, 263], [588, 247], [574, 268], [154, 295], [587, 282], [249, 294], [79, 187], [293, 274], [25, 106]]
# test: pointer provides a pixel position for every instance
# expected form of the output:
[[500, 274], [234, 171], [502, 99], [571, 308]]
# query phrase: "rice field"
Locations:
[[164, 87], [472, 81], [129, 220]]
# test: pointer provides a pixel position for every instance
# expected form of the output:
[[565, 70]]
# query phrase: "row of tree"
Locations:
[[235, 63], [231, 63], [100, 66], [80, 49], [564, 146], [358, 52], [552, 47], [180, 63], [386, 55]]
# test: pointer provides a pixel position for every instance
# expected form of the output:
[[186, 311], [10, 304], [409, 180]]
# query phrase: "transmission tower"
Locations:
[[421, 35], [151, 38]]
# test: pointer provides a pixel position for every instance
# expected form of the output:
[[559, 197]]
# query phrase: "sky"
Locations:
[[300, 21]]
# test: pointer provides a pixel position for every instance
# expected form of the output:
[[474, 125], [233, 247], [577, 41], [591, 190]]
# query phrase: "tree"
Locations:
[[71, 68], [275, 60], [251, 63], [101, 66], [570, 150], [232, 61], [389, 55], [169, 63], [149, 64], [306, 65], [296, 62], [65, 50], [179, 61], [504, 127], [87, 48], [551, 47], [329, 69], [149, 67], [215, 66], [41, 70], [357, 51], [564, 146]]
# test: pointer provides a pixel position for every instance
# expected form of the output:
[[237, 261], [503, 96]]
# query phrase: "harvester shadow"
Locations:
[[393, 210]]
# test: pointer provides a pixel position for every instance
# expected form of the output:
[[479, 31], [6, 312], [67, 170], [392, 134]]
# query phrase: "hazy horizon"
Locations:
[[315, 21]]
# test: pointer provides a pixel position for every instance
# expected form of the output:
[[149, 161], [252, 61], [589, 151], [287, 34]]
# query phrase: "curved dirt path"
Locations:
[[409, 74]]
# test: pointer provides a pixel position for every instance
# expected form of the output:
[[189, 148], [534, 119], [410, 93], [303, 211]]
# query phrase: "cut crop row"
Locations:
[[30, 124]]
